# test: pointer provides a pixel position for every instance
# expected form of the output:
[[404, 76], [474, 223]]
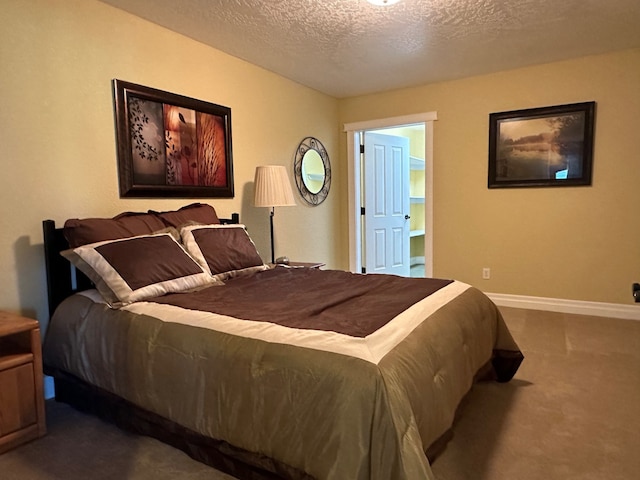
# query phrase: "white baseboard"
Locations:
[[597, 309]]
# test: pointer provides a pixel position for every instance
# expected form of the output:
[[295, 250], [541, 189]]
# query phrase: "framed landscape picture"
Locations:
[[170, 145], [542, 147]]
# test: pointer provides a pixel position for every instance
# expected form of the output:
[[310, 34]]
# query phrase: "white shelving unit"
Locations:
[[416, 163], [417, 205], [417, 196]]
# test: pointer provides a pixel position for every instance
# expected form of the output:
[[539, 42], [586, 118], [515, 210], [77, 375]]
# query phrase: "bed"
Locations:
[[170, 325]]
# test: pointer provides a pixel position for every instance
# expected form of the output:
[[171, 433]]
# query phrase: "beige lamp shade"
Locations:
[[272, 187]]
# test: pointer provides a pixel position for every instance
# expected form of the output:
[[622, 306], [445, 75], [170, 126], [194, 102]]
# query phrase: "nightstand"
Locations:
[[306, 264], [299, 265], [21, 381]]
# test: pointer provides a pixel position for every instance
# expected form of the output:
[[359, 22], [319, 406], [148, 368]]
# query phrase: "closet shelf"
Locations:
[[416, 163]]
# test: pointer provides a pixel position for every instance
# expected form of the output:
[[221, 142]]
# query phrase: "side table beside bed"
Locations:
[[22, 415]]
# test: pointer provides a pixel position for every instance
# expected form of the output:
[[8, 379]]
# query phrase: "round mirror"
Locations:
[[312, 171]]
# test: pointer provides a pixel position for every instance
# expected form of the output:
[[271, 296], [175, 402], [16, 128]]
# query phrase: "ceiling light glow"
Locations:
[[383, 3]]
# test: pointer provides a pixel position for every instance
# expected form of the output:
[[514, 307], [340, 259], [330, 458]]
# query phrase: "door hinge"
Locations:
[[362, 149], [361, 210]]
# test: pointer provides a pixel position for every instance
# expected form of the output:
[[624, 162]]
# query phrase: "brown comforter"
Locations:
[[288, 367]]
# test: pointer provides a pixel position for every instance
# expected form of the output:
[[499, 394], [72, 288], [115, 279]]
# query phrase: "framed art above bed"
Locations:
[[170, 145]]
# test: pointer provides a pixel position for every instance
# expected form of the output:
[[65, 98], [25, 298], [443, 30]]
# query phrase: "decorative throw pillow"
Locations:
[[138, 268], [84, 231], [201, 213], [80, 232], [223, 250]]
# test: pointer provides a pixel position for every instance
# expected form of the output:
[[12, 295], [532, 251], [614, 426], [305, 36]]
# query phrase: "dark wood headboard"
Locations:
[[63, 279]]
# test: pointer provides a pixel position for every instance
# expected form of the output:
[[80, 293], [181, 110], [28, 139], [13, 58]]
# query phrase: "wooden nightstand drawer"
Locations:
[[21, 381], [17, 399]]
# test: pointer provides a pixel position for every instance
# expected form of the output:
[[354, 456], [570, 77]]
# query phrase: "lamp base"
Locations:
[[273, 256]]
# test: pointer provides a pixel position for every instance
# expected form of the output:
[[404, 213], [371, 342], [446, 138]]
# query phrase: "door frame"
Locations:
[[355, 200]]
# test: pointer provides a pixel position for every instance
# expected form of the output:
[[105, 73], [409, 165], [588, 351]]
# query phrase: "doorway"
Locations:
[[417, 231], [386, 210]]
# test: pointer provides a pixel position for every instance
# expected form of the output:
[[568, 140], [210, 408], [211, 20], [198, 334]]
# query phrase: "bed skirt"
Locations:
[[215, 453]]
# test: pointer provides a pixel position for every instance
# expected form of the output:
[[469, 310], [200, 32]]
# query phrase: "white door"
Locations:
[[386, 205]]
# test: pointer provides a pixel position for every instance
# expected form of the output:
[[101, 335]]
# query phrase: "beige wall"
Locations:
[[580, 243], [58, 156], [59, 160]]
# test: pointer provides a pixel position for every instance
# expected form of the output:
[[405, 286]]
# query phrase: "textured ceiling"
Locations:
[[350, 47]]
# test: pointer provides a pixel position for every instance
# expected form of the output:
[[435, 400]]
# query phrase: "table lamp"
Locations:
[[272, 189]]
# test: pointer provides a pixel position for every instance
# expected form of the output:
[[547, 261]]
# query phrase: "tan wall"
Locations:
[[580, 243], [59, 159], [58, 141]]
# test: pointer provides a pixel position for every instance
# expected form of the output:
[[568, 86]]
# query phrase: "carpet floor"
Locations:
[[571, 412]]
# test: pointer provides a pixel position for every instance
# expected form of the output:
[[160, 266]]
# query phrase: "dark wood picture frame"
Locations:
[[170, 145], [542, 147]]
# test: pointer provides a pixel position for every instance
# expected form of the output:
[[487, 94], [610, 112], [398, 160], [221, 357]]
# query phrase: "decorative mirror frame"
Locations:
[[311, 143]]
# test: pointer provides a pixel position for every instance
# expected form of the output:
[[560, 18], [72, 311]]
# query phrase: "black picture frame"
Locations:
[[170, 145], [542, 147]]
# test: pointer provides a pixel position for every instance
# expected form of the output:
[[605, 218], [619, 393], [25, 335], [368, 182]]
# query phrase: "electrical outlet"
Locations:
[[636, 292], [486, 273]]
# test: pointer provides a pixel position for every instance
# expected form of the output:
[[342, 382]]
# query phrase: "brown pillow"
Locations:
[[80, 232], [194, 213], [223, 250], [138, 268]]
